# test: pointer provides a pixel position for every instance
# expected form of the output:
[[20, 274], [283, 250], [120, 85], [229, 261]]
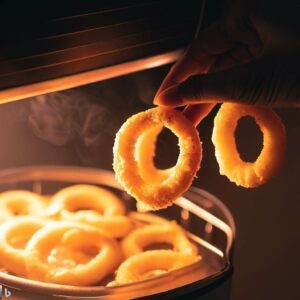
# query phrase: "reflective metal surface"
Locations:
[[208, 222]]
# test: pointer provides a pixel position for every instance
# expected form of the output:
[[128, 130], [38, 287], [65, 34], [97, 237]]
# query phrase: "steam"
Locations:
[[67, 117], [88, 117], [51, 118]]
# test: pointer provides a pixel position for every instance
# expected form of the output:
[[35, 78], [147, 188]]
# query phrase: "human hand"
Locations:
[[231, 51], [270, 81]]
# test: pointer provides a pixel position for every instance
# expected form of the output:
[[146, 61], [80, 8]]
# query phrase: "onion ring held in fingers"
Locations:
[[269, 161], [161, 194]]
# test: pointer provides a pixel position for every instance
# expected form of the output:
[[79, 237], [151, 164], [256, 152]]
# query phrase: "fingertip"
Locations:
[[156, 99], [169, 97]]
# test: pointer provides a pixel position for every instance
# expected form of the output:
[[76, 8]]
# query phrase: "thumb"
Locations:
[[268, 81]]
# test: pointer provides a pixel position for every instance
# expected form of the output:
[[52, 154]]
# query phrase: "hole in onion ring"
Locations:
[[69, 258], [249, 145], [158, 246], [16, 209], [75, 204], [85, 208], [20, 241], [167, 150]]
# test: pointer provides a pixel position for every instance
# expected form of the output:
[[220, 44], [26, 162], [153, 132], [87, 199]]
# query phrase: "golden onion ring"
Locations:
[[20, 203], [91, 205], [85, 196], [72, 254], [146, 144], [269, 161], [162, 194], [151, 263], [116, 226], [169, 233], [14, 235]]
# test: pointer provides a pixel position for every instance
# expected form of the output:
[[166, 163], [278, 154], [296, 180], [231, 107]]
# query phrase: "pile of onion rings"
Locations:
[[82, 236], [153, 188]]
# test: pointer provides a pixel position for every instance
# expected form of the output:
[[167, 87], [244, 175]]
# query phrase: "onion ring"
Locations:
[[116, 226], [169, 233], [19, 203], [268, 163], [101, 208], [87, 196], [151, 263], [14, 235], [162, 194], [72, 254]]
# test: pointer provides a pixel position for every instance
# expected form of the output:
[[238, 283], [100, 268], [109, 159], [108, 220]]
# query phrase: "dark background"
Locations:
[[266, 260]]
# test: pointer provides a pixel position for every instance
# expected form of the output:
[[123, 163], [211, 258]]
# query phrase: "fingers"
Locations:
[[270, 81], [204, 88], [219, 42], [199, 56], [183, 69], [186, 66], [197, 112]]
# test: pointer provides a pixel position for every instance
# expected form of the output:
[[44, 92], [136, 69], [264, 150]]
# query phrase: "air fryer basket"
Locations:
[[206, 218]]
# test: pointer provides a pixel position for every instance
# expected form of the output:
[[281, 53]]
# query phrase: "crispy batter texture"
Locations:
[[75, 197], [156, 195], [91, 205], [14, 235], [269, 161], [170, 233], [151, 263], [75, 268], [20, 203]]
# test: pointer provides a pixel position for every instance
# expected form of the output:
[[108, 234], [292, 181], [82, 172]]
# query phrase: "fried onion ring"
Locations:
[[20, 203], [14, 235], [268, 163], [116, 226], [72, 254], [152, 194], [169, 233], [92, 205], [151, 263]]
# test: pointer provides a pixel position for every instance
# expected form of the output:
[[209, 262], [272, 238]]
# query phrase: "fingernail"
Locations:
[[169, 97]]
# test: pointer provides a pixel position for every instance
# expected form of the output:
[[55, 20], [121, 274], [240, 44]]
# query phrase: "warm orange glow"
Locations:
[[72, 81], [201, 269]]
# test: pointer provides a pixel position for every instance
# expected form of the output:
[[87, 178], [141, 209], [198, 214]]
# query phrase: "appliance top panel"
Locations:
[[44, 40]]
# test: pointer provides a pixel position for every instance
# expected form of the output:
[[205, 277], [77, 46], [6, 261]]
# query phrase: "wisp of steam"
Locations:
[[89, 116]]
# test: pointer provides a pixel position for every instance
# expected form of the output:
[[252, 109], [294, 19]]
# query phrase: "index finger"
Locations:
[[199, 56]]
